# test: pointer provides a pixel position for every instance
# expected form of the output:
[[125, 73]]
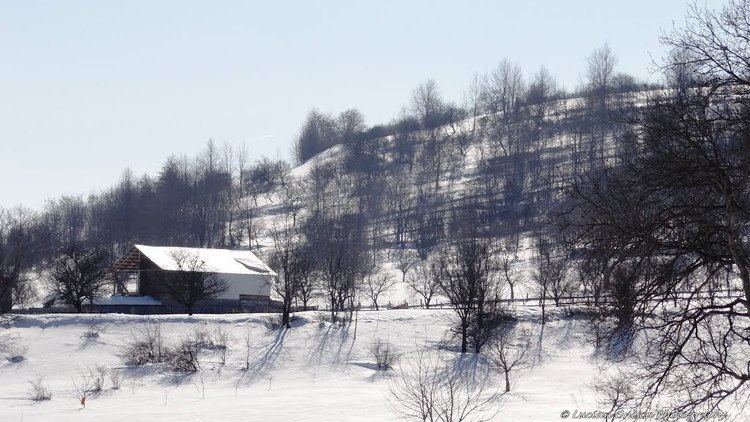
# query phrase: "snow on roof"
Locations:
[[224, 261]]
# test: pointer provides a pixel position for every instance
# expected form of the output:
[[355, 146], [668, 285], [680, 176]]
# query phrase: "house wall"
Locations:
[[149, 277], [246, 284]]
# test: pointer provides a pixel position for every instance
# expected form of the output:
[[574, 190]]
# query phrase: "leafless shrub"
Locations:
[[115, 377], [93, 331], [216, 340], [273, 322], [219, 338], [146, 347], [201, 337], [322, 318], [385, 354], [184, 357], [98, 378], [39, 391], [220, 343], [83, 386], [426, 391]]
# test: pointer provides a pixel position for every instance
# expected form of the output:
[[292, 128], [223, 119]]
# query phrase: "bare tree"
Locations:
[[282, 258], [427, 104], [400, 199], [375, 285], [600, 70], [426, 391], [192, 281], [350, 123], [16, 255], [509, 351], [469, 284], [549, 273], [406, 260], [507, 264], [307, 288], [83, 386], [339, 246], [505, 88], [425, 279], [291, 256], [712, 45], [78, 276], [474, 99], [542, 89]]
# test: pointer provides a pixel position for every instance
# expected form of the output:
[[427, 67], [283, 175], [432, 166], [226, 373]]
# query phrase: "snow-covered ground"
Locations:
[[312, 372]]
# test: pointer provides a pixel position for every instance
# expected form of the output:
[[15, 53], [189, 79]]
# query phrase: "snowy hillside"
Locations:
[[313, 372]]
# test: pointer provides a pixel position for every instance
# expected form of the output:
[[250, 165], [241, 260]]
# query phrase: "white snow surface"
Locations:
[[312, 372]]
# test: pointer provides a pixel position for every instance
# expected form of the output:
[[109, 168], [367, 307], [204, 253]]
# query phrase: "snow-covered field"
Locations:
[[312, 372]]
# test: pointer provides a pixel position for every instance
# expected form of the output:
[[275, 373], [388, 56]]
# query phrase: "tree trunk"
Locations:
[[507, 380], [745, 276], [285, 317], [464, 342]]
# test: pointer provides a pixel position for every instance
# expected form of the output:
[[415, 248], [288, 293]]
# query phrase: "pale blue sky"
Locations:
[[88, 88]]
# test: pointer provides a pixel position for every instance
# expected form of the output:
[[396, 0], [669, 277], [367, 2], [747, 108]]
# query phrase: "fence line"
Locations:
[[567, 300], [523, 301]]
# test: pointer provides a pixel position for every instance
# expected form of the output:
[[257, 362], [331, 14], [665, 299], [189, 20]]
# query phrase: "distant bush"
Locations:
[[98, 378], [322, 318], [115, 377], [184, 357], [213, 340], [273, 322], [384, 353], [39, 391], [146, 347], [83, 386], [216, 340], [93, 331]]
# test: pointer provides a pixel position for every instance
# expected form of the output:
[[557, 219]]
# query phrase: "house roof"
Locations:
[[223, 261]]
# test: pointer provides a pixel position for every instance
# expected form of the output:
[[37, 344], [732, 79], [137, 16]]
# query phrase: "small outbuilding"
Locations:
[[142, 273]]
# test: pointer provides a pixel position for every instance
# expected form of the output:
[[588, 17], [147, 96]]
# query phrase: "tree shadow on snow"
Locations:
[[331, 341], [265, 362]]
